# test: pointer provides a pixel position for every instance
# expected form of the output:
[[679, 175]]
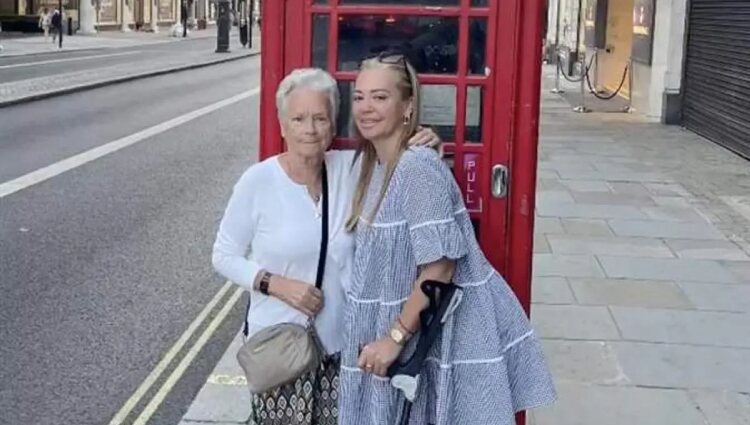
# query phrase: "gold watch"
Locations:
[[397, 336]]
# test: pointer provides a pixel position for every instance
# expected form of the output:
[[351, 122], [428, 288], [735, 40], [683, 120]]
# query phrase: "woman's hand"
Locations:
[[426, 137], [376, 357], [301, 295]]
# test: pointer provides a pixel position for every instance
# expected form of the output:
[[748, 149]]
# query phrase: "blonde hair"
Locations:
[[408, 86]]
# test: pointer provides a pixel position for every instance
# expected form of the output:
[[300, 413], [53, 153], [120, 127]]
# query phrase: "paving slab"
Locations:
[[740, 269], [718, 297], [683, 326], [554, 197], [551, 290], [675, 213], [615, 246], [574, 322], [541, 246], [566, 266], [567, 210], [607, 198], [668, 189], [673, 269], [586, 227], [630, 188], [723, 407], [684, 366], [707, 250], [630, 293], [584, 361], [586, 185], [584, 404], [547, 225], [665, 229]]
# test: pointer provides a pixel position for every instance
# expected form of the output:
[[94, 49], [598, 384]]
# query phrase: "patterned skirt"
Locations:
[[312, 399]]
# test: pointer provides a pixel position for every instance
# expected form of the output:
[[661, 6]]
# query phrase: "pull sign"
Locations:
[[499, 181]]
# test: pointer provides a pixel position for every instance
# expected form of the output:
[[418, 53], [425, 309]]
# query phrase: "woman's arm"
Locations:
[[378, 356], [440, 271], [236, 232]]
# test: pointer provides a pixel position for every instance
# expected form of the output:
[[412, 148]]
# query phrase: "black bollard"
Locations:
[[242, 11], [222, 27], [184, 18]]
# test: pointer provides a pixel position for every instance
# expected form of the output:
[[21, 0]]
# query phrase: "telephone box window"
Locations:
[[403, 2], [477, 46], [344, 124], [320, 41], [473, 132], [438, 109], [430, 43]]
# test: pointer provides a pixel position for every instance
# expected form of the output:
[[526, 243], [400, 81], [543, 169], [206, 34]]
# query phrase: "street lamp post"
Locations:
[[242, 24], [62, 24], [184, 18]]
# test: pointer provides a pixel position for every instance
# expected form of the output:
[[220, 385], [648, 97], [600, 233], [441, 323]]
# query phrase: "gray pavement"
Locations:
[[26, 79], [37, 44], [102, 268], [641, 290]]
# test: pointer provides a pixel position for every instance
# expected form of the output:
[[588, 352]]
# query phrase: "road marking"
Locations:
[[75, 161], [19, 65], [167, 359], [239, 380], [187, 360]]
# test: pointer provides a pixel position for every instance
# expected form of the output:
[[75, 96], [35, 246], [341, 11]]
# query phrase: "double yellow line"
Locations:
[[171, 355]]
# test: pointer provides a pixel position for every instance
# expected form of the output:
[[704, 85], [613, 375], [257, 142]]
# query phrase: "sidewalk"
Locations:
[[641, 290], [42, 87], [642, 274], [36, 44]]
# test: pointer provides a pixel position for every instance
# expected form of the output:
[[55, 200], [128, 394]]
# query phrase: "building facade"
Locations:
[[690, 58], [108, 14]]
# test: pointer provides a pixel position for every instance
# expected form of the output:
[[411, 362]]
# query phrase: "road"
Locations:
[[103, 267], [41, 65]]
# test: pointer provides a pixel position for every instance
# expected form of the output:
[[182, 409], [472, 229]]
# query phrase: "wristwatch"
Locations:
[[397, 336], [265, 280]]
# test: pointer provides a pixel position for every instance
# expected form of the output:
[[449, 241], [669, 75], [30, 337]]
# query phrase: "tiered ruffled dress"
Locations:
[[487, 364]]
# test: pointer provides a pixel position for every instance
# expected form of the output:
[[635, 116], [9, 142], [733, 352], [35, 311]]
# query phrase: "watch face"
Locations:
[[397, 335]]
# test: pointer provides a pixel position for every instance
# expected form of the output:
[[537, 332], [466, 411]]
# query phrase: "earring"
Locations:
[[406, 119]]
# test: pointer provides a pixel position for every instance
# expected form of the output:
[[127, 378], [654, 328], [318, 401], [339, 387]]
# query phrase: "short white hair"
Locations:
[[313, 79]]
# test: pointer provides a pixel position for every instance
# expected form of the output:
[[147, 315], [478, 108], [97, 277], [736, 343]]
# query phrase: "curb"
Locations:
[[123, 79]]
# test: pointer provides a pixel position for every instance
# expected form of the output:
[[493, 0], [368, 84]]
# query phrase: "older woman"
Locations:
[[275, 211], [412, 226]]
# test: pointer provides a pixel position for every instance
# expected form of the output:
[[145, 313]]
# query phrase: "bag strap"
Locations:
[[324, 231], [323, 244]]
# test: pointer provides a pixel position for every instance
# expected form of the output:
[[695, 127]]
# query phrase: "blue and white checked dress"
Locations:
[[487, 365]]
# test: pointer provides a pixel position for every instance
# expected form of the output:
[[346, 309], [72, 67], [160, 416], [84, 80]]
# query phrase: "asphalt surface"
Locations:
[[41, 65], [103, 267]]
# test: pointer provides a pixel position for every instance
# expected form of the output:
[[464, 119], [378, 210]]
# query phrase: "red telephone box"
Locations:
[[479, 64]]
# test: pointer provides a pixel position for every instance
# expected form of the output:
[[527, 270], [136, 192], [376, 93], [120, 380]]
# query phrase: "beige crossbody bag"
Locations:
[[282, 353]]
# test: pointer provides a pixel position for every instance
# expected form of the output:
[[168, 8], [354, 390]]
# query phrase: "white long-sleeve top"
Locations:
[[279, 223]]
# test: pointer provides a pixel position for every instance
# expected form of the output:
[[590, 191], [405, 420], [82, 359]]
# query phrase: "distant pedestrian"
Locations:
[[44, 22], [56, 21]]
